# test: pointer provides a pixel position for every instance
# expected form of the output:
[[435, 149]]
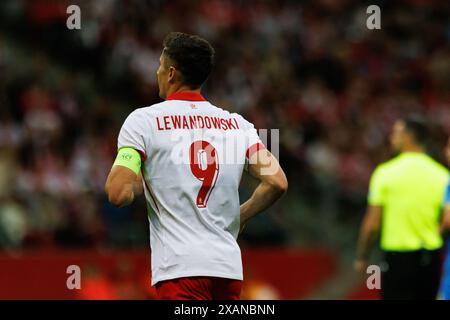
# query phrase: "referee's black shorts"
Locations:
[[411, 275]]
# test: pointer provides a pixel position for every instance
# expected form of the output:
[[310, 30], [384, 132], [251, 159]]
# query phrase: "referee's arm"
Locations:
[[371, 225], [368, 235]]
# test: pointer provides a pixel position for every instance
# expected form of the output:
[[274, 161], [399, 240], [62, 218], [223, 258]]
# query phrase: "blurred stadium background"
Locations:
[[310, 68]]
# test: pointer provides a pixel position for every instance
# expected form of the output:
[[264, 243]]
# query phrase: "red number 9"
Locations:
[[205, 167]]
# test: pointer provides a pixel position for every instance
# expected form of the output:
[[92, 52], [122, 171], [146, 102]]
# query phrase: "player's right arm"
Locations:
[[124, 182], [273, 184]]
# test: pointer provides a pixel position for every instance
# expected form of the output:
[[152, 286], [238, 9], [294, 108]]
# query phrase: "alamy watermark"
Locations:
[[74, 279], [374, 20], [373, 282], [229, 147], [73, 21]]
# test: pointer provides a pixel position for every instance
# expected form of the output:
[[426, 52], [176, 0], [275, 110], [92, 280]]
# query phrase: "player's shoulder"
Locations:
[[153, 108], [146, 112], [240, 118], [243, 123]]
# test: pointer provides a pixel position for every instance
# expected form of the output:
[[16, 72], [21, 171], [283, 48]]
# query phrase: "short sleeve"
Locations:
[[252, 140], [132, 133], [377, 188], [254, 143]]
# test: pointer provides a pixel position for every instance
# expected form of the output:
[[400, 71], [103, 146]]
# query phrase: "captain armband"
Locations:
[[129, 158]]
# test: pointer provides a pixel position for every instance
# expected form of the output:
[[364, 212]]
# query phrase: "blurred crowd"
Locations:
[[311, 69]]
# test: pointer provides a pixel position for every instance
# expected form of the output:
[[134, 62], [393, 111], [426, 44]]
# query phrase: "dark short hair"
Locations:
[[193, 57], [418, 127]]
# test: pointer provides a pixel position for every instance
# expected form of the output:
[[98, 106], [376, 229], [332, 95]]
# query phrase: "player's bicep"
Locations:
[[128, 158], [119, 185], [265, 167], [125, 170], [119, 176]]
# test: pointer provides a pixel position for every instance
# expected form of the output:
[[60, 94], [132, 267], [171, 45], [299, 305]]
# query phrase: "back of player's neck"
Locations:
[[184, 90]]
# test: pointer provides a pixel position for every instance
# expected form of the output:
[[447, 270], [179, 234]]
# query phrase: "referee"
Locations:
[[404, 210]]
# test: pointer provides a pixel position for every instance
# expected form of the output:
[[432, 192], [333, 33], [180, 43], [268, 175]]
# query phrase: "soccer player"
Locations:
[[445, 227], [188, 157], [405, 205]]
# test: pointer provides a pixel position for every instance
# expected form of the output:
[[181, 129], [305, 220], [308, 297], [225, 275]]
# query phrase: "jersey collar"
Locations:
[[188, 96]]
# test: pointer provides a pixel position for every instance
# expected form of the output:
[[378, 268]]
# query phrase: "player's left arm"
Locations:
[[124, 182]]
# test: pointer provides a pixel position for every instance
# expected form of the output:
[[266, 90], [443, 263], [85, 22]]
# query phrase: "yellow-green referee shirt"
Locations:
[[410, 188]]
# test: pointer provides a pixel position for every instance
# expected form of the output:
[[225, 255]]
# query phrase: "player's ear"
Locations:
[[172, 74]]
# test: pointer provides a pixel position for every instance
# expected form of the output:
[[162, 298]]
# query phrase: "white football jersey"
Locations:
[[193, 157]]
